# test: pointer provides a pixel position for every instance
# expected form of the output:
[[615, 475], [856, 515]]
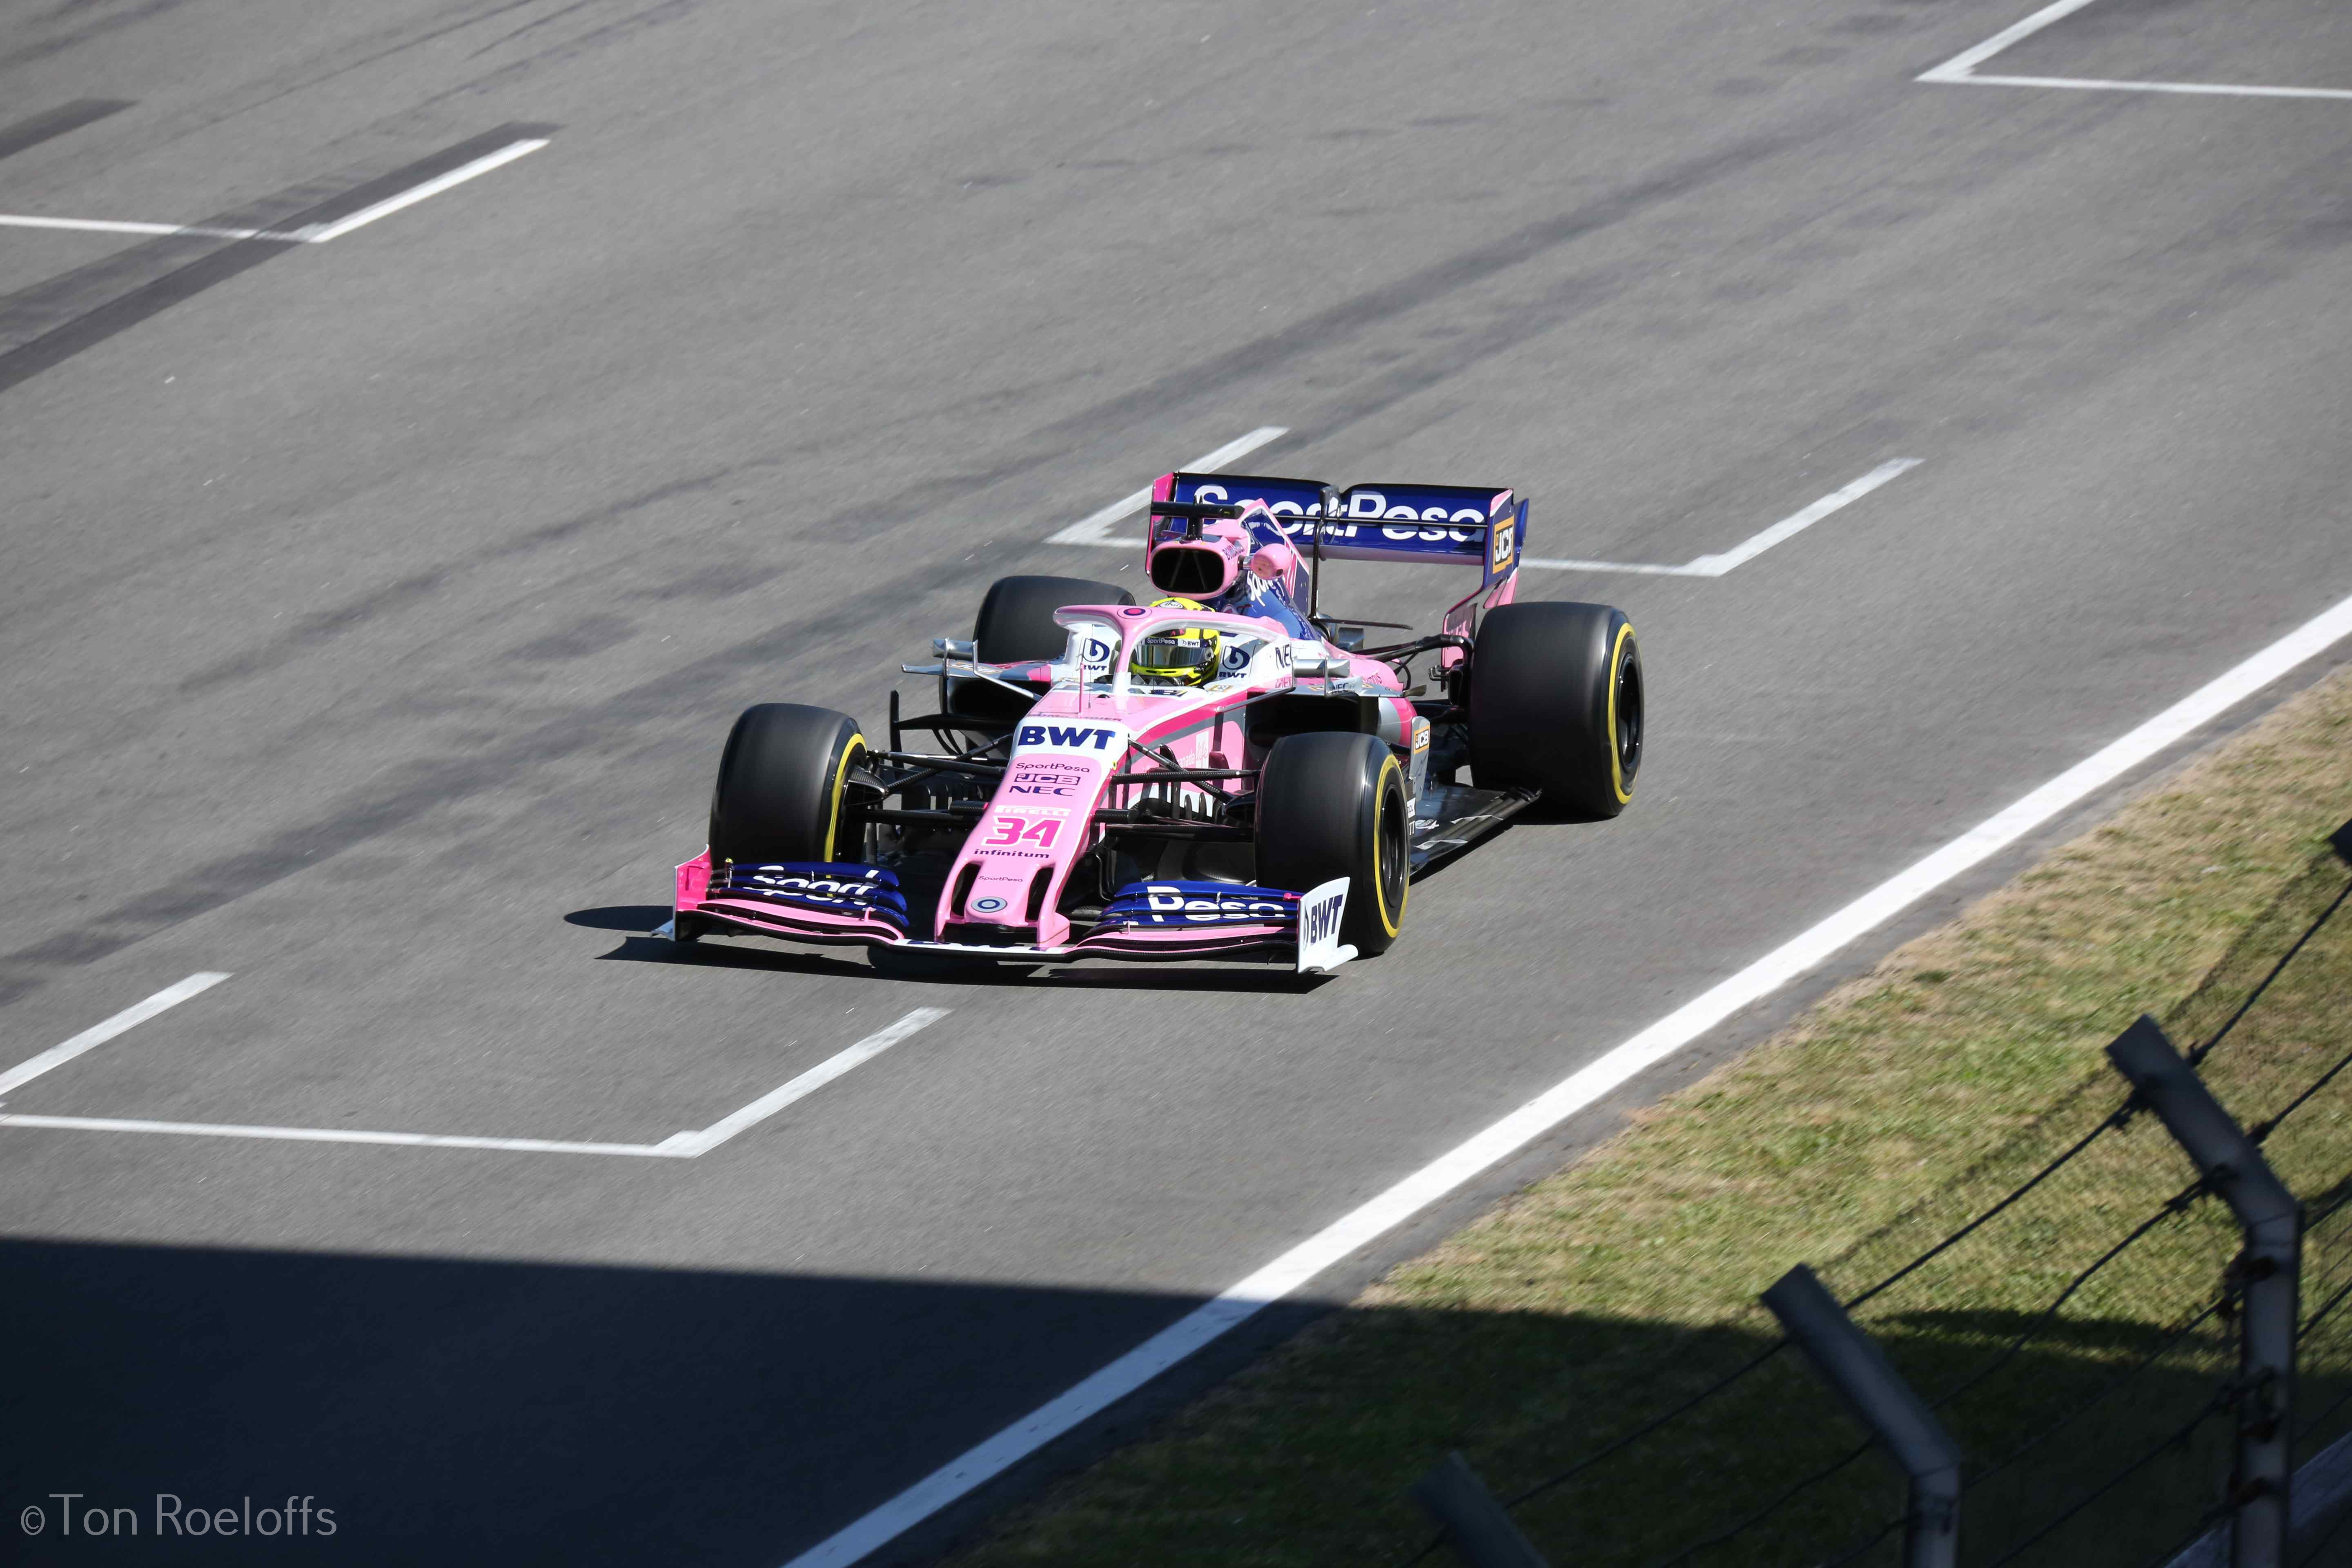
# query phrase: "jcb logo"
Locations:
[[1502, 544]]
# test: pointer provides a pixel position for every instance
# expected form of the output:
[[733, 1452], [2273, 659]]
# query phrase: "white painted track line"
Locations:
[[1740, 554], [120, 225], [2200, 89], [319, 234], [1096, 530], [677, 1146], [131, 1017], [314, 234], [335, 1135], [1540, 1115], [809, 1082], [1961, 70], [1957, 68]]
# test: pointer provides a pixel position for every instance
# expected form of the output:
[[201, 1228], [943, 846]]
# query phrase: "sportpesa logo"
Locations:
[[824, 890], [1181, 905]]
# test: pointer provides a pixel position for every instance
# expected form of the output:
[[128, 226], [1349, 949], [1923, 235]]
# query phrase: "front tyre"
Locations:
[[1557, 705], [781, 781], [1333, 804]]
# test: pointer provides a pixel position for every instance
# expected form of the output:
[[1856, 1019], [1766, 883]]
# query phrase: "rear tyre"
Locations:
[[1556, 705], [1015, 625], [1333, 804], [781, 785]]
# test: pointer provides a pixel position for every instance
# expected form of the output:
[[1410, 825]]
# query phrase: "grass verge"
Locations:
[[1899, 1108]]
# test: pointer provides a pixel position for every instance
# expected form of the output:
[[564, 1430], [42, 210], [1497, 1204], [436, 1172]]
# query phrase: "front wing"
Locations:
[[863, 905], [841, 904]]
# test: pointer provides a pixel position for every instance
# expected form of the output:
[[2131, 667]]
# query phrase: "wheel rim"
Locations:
[[1628, 706]]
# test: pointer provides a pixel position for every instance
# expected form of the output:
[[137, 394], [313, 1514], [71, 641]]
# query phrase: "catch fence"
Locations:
[[2164, 1339]]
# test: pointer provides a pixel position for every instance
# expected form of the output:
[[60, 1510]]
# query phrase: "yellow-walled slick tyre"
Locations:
[[1331, 804], [781, 782], [1557, 705]]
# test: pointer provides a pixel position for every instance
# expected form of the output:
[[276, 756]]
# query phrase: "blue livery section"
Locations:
[[1291, 502], [835, 887], [1194, 904], [1284, 497], [1440, 523]]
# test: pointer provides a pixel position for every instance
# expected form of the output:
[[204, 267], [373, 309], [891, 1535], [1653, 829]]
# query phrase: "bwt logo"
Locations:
[[1069, 738], [1320, 922]]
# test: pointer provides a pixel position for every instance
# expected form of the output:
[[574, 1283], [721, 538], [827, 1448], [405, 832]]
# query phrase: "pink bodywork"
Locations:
[[1065, 755], [1068, 750]]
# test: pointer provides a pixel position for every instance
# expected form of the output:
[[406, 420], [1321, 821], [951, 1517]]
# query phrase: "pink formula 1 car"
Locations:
[[1225, 771]]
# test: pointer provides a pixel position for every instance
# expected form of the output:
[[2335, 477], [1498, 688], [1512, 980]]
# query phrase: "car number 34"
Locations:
[[1006, 830]]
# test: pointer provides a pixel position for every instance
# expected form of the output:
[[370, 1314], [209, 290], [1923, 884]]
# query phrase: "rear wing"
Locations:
[[1441, 524], [1461, 523]]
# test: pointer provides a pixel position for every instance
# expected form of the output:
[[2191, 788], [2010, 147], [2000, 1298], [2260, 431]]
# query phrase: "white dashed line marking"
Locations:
[[1738, 554], [319, 234], [1961, 70], [677, 1146], [1096, 530], [131, 1017], [313, 234], [124, 225]]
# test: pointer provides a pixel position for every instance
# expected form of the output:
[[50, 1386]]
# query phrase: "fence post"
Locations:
[[1473, 1521], [2269, 1267], [1853, 1365]]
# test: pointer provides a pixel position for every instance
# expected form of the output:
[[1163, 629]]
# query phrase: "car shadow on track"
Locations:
[[640, 918], [714, 954]]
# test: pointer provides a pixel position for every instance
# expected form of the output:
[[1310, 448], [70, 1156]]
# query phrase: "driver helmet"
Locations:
[[1176, 656]]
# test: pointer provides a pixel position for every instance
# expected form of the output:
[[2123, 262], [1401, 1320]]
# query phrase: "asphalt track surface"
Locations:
[[373, 612]]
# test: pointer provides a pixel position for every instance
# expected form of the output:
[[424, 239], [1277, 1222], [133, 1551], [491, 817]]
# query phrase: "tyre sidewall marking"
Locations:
[[1379, 881], [840, 778], [1616, 754]]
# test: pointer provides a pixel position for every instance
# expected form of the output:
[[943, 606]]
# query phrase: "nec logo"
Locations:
[[1056, 789], [1069, 738]]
